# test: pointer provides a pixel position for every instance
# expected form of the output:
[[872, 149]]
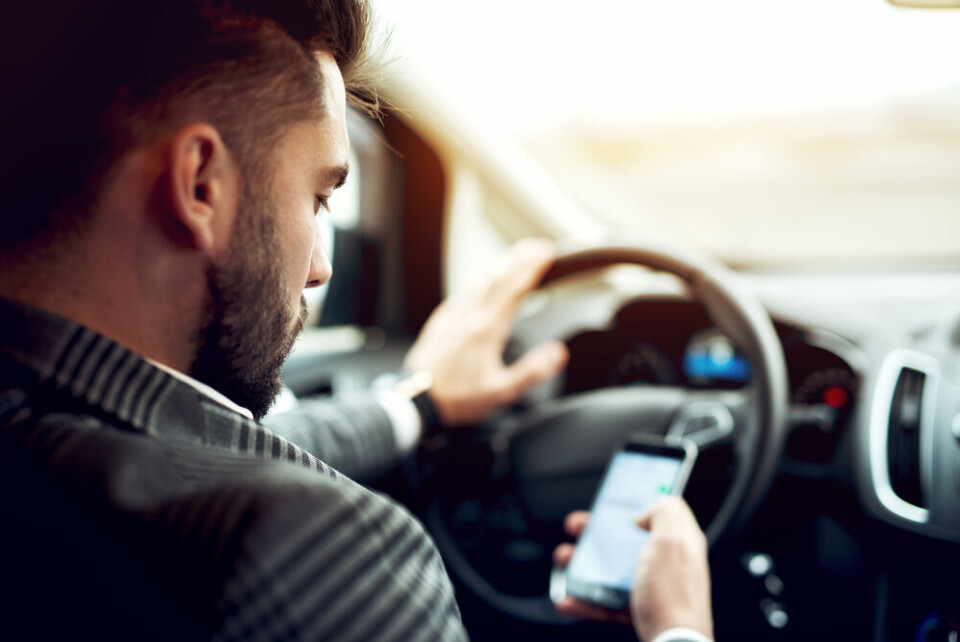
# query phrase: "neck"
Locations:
[[105, 285]]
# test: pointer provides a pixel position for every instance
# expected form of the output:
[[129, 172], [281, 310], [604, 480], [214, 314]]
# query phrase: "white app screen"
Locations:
[[607, 551]]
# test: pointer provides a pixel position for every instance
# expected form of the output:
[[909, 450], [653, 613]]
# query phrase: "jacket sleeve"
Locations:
[[334, 561], [354, 437]]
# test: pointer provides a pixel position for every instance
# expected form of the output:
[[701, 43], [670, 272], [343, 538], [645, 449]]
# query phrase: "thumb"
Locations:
[[645, 520], [537, 365], [670, 511]]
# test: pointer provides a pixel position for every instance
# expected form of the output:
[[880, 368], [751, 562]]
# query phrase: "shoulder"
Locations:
[[336, 561], [221, 542]]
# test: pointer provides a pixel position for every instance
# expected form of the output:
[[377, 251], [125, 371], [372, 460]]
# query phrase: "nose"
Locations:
[[320, 268]]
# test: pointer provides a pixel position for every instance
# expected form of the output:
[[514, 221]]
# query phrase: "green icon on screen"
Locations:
[[664, 489]]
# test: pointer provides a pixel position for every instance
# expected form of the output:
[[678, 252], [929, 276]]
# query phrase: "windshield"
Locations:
[[768, 133]]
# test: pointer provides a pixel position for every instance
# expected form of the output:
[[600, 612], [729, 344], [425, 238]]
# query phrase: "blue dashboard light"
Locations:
[[703, 366], [711, 356]]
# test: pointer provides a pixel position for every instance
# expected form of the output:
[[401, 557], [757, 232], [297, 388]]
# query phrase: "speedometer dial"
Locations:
[[642, 363], [821, 406], [833, 387]]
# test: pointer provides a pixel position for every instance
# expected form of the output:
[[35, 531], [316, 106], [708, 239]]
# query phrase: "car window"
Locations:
[[810, 133]]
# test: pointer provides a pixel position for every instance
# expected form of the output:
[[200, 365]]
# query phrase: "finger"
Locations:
[[575, 522], [520, 272], [545, 361], [573, 607], [562, 554]]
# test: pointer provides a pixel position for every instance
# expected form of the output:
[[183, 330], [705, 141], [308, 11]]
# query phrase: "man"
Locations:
[[163, 168]]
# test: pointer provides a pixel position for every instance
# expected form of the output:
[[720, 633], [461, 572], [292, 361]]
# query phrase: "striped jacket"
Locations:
[[134, 507]]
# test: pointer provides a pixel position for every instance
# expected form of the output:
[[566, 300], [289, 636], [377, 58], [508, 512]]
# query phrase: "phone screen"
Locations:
[[607, 552]]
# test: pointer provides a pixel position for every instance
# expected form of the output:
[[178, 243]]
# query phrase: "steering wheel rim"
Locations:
[[757, 435]]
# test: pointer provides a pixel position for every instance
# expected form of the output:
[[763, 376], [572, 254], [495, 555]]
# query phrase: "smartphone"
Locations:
[[641, 471]]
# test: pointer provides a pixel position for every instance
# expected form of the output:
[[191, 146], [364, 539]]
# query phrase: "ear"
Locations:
[[201, 184]]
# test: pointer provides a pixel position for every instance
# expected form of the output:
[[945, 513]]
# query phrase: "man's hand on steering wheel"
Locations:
[[671, 583], [461, 345]]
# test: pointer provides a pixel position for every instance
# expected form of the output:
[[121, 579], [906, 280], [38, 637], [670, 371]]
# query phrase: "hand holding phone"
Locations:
[[642, 471], [671, 584], [670, 587]]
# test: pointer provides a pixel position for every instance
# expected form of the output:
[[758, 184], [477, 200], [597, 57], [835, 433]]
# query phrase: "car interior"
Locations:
[[820, 380]]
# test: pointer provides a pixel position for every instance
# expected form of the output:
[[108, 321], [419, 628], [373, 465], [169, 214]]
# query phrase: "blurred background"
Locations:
[[771, 134]]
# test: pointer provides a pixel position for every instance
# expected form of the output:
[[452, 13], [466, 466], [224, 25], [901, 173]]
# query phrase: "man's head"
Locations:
[[86, 81], [256, 308], [244, 132]]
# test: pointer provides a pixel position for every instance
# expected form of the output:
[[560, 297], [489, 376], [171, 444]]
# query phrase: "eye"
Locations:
[[320, 203]]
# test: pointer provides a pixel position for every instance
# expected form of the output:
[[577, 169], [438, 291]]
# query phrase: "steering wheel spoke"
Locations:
[[710, 418], [705, 423]]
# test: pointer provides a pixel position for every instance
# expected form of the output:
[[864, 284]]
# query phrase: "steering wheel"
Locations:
[[565, 438]]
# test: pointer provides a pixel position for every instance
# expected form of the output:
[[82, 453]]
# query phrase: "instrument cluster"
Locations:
[[675, 343]]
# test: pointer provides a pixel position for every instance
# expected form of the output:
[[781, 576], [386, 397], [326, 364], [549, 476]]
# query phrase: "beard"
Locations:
[[247, 332]]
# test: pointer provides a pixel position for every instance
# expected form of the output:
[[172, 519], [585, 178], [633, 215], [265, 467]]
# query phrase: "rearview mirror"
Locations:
[[927, 4]]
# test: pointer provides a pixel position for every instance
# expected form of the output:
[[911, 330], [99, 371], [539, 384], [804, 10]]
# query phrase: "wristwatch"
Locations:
[[416, 388]]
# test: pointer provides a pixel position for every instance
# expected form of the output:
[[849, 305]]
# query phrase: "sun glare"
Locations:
[[763, 131]]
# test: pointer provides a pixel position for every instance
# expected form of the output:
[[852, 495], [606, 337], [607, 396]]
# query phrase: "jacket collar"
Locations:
[[133, 393]]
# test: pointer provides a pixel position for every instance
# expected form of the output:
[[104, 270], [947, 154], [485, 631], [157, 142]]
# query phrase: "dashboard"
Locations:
[[665, 342]]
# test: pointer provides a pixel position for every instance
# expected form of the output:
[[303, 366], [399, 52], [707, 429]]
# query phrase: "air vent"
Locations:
[[903, 437]]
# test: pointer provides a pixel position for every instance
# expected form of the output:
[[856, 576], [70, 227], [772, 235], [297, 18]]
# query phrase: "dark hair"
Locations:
[[87, 80]]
